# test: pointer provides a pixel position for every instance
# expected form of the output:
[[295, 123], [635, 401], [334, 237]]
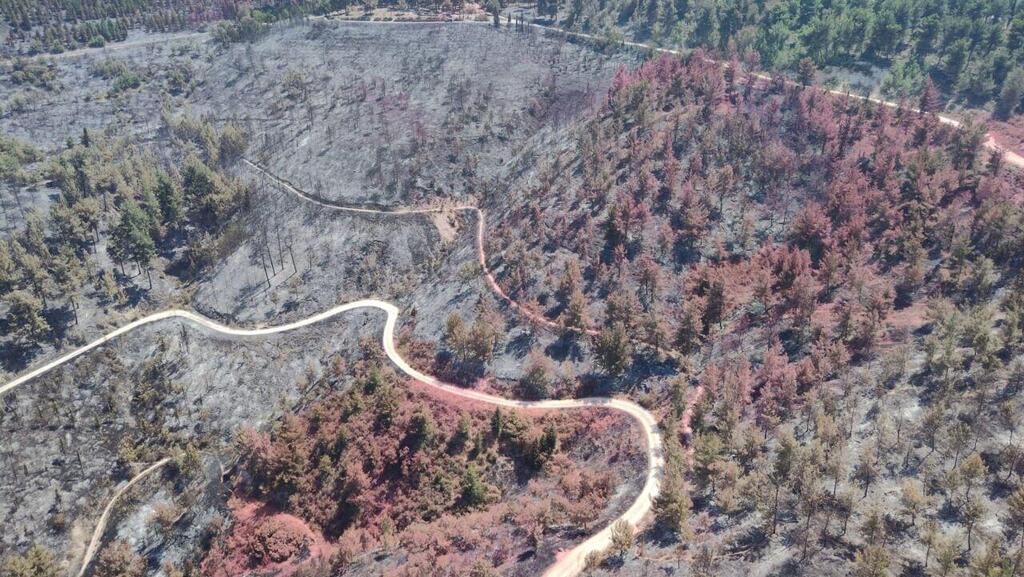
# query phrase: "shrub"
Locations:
[[164, 515], [127, 81], [37, 562], [119, 560]]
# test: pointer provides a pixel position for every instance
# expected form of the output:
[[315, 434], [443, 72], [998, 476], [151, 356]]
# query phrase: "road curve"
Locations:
[[101, 525], [567, 565], [531, 315], [478, 213]]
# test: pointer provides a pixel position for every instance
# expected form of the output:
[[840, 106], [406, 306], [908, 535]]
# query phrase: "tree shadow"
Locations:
[[463, 373], [59, 319], [16, 356], [751, 544], [521, 344], [566, 347]]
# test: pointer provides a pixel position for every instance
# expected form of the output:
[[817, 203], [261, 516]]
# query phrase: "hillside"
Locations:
[[845, 279], [615, 314], [134, 175], [971, 50]]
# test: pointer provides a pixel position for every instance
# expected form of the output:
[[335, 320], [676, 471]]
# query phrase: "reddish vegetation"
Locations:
[[777, 234], [806, 252], [706, 204], [1009, 134], [264, 539], [387, 465]]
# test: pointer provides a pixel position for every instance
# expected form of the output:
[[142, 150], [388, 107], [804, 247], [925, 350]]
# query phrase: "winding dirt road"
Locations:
[[568, 564], [532, 316]]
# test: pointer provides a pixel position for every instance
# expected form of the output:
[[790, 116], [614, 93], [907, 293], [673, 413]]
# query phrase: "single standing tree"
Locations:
[[673, 505], [971, 512], [8, 272], [132, 240], [575, 314], [119, 560], [971, 470], [929, 97], [37, 562], [474, 491], [68, 273], [805, 71], [781, 473], [32, 270], [495, 9], [872, 561], [867, 469], [929, 537], [233, 142], [623, 538], [1011, 95], [171, 200], [690, 328], [537, 382], [25, 316], [946, 555], [571, 281], [614, 353], [913, 499]]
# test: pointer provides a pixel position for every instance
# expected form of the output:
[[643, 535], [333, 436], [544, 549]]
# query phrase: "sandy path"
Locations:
[[569, 563]]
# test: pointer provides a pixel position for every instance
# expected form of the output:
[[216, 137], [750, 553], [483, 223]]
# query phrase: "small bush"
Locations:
[[109, 68], [127, 81], [164, 515], [119, 560]]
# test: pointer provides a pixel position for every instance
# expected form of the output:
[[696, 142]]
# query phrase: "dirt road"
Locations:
[[101, 525], [1011, 157], [567, 565]]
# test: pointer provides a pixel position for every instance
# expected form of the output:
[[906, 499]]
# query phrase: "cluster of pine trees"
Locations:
[[116, 200], [790, 243], [974, 49]]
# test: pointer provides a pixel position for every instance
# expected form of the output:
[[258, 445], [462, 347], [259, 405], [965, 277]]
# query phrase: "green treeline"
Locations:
[[972, 49]]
